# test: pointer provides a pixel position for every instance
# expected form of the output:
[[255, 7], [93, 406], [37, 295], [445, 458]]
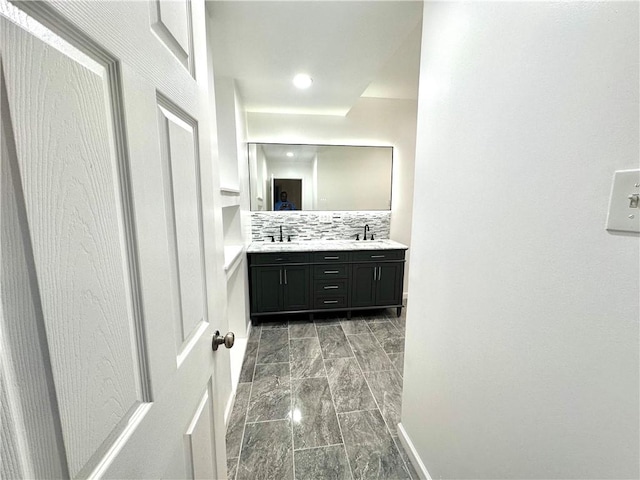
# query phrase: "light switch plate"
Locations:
[[326, 218], [623, 217]]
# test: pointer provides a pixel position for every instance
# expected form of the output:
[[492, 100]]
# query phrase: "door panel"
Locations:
[[171, 22], [198, 441], [79, 236], [178, 140], [31, 376]]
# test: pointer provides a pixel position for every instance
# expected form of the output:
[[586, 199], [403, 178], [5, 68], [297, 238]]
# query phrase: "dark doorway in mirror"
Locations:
[[287, 194]]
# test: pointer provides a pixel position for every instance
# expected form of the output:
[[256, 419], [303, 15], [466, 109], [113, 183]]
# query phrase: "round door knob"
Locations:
[[218, 340]]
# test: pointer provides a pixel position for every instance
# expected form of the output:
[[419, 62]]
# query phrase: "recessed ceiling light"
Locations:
[[289, 154], [302, 80]]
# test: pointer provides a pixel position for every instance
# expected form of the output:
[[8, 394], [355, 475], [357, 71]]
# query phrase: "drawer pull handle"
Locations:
[[331, 258], [331, 287], [377, 256], [331, 301], [279, 259], [331, 271]]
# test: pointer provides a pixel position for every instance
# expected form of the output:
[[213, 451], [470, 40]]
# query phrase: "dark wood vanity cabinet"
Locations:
[[325, 281], [377, 284], [331, 283], [278, 284], [376, 278]]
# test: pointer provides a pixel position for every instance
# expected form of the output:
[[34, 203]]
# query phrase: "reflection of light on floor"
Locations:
[[295, 415]]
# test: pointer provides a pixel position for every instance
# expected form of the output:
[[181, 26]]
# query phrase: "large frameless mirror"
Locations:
[[319, 177]]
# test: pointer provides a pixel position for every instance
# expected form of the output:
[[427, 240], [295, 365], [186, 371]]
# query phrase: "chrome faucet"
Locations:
[[366, 227]]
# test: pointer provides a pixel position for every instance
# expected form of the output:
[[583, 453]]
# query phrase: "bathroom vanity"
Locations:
[[320, 276]]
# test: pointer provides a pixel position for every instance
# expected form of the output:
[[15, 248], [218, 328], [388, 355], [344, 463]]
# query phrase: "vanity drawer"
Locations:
[[377, 255], [330, 271], [278, 258], [335, 301], [334, 287], [330, 257]]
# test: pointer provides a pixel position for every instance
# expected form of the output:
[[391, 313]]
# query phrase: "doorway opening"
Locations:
[[293, 189]]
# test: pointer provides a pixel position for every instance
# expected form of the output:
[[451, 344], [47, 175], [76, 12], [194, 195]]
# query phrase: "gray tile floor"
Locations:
[[320, 400]]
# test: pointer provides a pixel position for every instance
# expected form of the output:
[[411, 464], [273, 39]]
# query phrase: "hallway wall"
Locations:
[[522, 326]]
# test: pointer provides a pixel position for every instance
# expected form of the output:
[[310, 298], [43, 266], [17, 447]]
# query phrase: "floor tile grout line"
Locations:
[[246, 414], [315, 448], [386, 424], [398, 447], [402, 383], [269, 421], [388, 358], [385, 352], [380, 410], [392, 369], [395, 353], [293, 446], [297, 338], [324, 365], [343, 333], [359, 411]]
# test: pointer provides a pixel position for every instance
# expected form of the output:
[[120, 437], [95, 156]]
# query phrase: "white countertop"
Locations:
[[325, 245]]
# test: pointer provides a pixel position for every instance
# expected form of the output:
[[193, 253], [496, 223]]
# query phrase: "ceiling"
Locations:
[[307, 153], [351, 49], [302, 153]]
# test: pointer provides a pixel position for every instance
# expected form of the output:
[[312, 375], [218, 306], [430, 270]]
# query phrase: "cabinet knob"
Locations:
[[218, 340]]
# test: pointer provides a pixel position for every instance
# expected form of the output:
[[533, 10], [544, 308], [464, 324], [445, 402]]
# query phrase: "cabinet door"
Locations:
[[266, 294], [363, 285], [389, 284], [296, 287]]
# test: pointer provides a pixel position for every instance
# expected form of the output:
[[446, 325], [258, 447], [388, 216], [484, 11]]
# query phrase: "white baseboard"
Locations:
[[230, 403], [236, 357], [413, 454]]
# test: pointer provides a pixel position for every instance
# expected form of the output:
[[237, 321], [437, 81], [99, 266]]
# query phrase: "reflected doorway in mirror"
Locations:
[[287, 194]]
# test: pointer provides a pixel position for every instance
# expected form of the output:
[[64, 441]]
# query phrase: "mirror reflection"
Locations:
[[319, 177]]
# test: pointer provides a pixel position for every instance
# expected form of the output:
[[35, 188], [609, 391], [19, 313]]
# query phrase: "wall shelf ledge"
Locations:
[[230, 191], [232, 255]]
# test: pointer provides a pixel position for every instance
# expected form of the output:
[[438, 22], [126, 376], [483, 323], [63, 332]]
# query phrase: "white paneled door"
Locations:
[[108, 264]]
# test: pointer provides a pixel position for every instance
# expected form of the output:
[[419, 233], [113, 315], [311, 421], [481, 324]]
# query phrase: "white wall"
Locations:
[[522, 329], [372, 121], [225, 92]]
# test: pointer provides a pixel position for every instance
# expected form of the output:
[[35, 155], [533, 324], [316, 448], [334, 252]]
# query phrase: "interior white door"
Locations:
[[108, 260]]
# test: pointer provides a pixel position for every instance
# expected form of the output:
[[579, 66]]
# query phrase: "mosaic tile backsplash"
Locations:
[[319, 225]]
